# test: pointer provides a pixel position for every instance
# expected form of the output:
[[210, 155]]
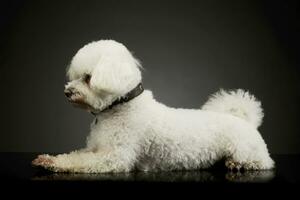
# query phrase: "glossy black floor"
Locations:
[[17, 166], [17, 172]]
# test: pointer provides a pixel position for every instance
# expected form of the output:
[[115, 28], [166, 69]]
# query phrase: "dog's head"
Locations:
[[100, 73]]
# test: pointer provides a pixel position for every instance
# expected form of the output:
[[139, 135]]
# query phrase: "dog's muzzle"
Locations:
[[68, 93]]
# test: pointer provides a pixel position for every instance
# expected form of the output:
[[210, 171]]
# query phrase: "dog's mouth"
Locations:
[[78, 101]]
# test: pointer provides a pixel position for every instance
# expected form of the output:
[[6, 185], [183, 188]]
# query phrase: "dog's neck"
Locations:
[[123, 99], [141, 105]]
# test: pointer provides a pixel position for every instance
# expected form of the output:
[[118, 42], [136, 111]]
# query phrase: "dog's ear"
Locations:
[[116, 76]]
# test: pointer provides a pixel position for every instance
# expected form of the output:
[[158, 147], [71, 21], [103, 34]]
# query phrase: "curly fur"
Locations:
[[238, 103], [146, 135]]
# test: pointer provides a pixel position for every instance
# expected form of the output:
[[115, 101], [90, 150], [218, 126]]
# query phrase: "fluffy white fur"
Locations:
[[146, 135]]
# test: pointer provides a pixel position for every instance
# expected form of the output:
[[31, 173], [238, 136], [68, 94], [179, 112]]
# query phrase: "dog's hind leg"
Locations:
[[241, 159]]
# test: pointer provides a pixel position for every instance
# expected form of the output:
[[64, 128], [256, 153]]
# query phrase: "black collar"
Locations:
[[127, 97]]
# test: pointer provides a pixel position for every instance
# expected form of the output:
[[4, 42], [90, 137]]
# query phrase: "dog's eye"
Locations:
[[87, 78]]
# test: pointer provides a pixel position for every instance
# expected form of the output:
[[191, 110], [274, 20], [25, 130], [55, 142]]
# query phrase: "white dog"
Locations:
[[132, 131]]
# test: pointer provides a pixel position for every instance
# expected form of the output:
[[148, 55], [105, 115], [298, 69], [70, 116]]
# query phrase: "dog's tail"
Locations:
[[239, 103]]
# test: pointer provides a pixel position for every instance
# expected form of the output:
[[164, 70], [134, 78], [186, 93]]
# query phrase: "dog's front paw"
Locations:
[[44, 160]]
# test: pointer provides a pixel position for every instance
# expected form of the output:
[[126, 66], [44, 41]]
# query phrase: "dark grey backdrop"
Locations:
[[188, 49]]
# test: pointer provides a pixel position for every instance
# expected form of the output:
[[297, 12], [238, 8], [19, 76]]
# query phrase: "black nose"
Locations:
[[68, 93]]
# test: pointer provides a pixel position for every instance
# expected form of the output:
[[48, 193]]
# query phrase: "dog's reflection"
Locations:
[[251, 176], [178, 176]]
